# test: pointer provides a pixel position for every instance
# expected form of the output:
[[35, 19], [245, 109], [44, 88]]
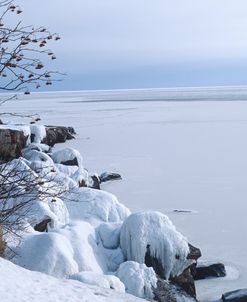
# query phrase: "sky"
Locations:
[[116, 44]]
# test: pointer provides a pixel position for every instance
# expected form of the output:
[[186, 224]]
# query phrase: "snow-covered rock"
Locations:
[[90, 204], [68, 156], [105, 281], [154, 233], [139, 280], [34, 155]]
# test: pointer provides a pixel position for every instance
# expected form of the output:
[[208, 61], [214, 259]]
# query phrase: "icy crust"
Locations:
[[19, 284], [67, 154], [90, 204], [139, 280], [156, 231], [105, 281]]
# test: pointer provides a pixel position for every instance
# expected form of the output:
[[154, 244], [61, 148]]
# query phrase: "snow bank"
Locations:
[[38, 132], [155, 230], [19, 284], [138, 279], [67, 154], [90, 204], [105, 281]]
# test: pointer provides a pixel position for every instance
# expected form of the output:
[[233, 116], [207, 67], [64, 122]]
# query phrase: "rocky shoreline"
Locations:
[[170, 262]]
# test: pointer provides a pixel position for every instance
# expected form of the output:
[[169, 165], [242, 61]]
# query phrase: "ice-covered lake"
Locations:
[[175, 149]]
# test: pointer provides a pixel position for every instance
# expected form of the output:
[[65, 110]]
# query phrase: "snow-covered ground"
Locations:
[[19, 284], [172, 155]]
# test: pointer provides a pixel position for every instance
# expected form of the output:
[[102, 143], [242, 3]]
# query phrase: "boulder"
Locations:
[[42, 226], [168, 292], [107, 176], [12, 143], [207, 270], [185, 280], [58, 134], [71, 162], [95, 183], [239, 295]]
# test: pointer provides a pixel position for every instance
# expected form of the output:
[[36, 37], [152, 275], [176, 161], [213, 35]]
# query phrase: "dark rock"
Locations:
[[12, 143], [194, 253], [72, 162], [107, 176], [203, 271], [57, 134], [43, 225], [239, 295], [186, 282], [71, 130], [32, 137], [155, 263], [96, 182], [82, 183], [167, 292], [1, 122]]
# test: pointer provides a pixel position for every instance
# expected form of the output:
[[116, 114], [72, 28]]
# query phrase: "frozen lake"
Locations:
[[175, 149]]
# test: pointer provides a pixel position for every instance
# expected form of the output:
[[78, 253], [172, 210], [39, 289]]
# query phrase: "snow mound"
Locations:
[[49, 253], [137, 278], [19, 284], [105, 281], [90, 204], [154, 231], [86, 253], [67, 154], [38, 132], [34, 155]]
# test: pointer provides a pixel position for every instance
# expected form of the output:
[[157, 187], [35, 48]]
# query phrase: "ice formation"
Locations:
[[137, 278], [155, 230], [38, 132]]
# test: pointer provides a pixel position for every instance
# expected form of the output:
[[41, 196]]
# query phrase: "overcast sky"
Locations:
[[145, 43]]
